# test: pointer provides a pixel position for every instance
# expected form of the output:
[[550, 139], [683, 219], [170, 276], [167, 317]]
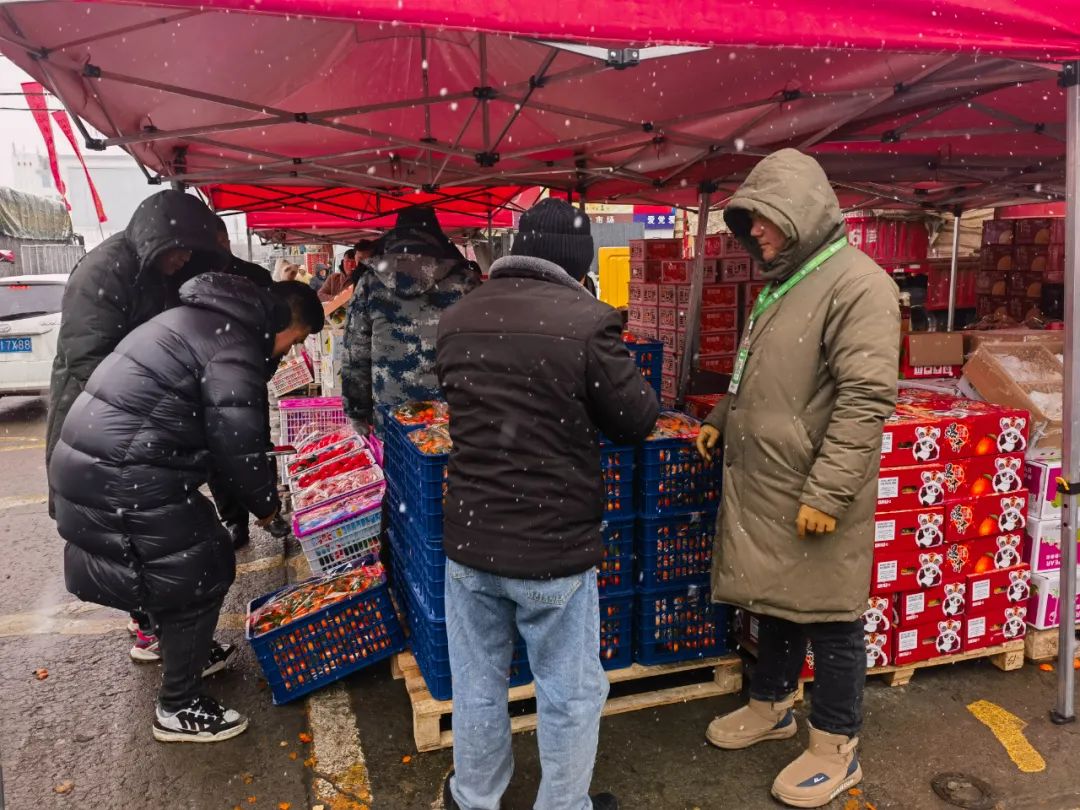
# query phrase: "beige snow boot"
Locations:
[[828, 767], [756, 722]]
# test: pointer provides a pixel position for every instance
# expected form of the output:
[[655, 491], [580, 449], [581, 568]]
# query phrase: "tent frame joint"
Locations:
[[91, 71], [1070, 75], [487, 159], [487, 92], [623, 58], [791, 95], [301, 118]]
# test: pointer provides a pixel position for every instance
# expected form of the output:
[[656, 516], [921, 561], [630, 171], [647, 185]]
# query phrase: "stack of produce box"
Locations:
[[1043, 543], [949, 529], [1018, 256], [678, 495]]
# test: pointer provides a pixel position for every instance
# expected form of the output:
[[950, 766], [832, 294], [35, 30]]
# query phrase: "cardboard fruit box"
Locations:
[[991, 515], [925, 355], [1044, 606], [916, 487], [655, 249], [911, 529], [1024, 377], [930, 606], [977, 476]]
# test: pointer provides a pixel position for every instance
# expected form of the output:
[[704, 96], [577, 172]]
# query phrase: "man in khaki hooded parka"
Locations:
[[801, 434]]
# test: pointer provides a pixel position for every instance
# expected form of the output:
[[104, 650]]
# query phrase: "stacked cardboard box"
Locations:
[[1043, 547], [1018, 256]]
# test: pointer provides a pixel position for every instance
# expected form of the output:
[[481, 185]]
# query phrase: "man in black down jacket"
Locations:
[[183, 392], [534, 369]]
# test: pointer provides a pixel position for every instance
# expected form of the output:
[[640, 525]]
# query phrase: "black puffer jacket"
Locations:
[[533, 368], [181, 392], [114, 288]]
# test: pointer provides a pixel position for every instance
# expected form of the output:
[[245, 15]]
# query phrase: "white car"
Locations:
[[29, 328]]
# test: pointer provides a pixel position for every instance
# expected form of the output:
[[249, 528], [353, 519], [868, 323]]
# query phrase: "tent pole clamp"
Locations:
[[623, 58]]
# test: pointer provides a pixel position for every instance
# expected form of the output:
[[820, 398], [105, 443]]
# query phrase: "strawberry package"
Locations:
[[977, 476], [995, 626], [345, 484], [926, 641], [987, 516], [919, 487], [306, 460], [354, 460], [312, 439], [910, 530], [325, 515], [432, 441], [301, 600]]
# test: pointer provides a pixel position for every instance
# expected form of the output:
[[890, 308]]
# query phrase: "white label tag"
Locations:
[[884, 531], [914, 604], [886, 443], [887, 571], [980, 590], [888, 488], [976, 628], [907, 640]]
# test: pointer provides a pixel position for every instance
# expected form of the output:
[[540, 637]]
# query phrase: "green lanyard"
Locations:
[[769, 296]]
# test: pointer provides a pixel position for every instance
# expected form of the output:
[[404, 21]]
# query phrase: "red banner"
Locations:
[[35, 100], [65, 126]]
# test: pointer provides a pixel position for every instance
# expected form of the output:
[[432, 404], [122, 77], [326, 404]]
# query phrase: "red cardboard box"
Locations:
[[900, 570], [671, 319], [668, 386], [669, 295], [735, 269], [1055, 262], [998, 231], [901, 488], [650, 316], [930, 427], [1036, 231], [879, 650], [1009, 586], [643, 294], [1029, 259], [926, 641], [984, 475], [642, 331], [635, 295], [671, 339], [675, 271], [719, 320], [990, 554], [983, 517], [701, 405], [714, 246], [997, 258], [994, 627], [717, 363], [684, 295], [910, 530], [943, 602], [652, 249], [720, 295], [879, 616], [647, 272], [719, 342]]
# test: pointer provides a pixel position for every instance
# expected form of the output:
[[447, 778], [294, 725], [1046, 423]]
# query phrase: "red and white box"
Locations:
[[643, 294], [669, 295], [1041, 471], [669, 365], [947, 601], [671, 339], [671, 319], [710, 271], [642, 249], [898, 570], [668, 386], [929, 427], [989, 554], [1042, 545], [641, 331], [880, 615], [910, 530], [1044, 606], [684, 295], [650, 316], [719, 342], [926, 641], [635, 294], [1009, 586], [717, 363], [647, 272], [720, 295], [918, 487], [715, 319], [1034, 231], [675, 271], [983, 517], [984, 475], [879, 650], [714, 245], [735, 269], [994, 627], [633, 313]]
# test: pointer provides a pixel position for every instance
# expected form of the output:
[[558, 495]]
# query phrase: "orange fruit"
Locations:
[[979, 486], [987, 527], [984, 564], [985, 447]]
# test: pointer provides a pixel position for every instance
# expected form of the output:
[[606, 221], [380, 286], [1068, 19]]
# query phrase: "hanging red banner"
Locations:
[[62, 121], [35, 100]]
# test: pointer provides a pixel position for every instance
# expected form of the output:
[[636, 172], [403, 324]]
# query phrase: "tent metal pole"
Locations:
[[251, 252], [954, 268], [1064, 710], [697, 282]]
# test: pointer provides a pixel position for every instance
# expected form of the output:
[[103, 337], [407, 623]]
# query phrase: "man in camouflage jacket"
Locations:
[[394, 317]]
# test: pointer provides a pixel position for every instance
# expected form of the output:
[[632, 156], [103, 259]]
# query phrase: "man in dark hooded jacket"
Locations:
[[183, 393], [394, 317]]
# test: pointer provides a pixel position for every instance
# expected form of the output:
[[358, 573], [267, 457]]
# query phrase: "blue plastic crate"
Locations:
[[327, 645], [616, 571], [646, 353], [701, 493], [672, 477], [425, 565], [678, 624], [616, 631], [618, 500], [674, 549]]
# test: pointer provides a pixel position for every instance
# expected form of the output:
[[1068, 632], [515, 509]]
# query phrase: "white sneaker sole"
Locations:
[[144, 656], [164, 735], [821, 801], [219, 666]]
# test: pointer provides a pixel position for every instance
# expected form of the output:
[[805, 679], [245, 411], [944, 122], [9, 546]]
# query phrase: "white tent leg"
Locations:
[[251, 253], [697, 282], [1064, 711], [953, 269]]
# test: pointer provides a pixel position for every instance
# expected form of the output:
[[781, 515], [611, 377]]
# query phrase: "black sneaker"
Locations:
[[221, 655], [203, 720], [279, 528], [604, 801], [448, 797], [240, 535]]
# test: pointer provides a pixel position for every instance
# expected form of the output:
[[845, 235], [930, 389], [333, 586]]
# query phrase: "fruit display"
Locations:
[[330, 513], [302, 462], [420, 412], [293, 604], [330, 488], [354, 460], [432, 441], [311, 438], [674, 425]]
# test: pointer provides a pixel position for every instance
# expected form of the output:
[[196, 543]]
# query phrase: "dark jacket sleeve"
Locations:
[[97, 311], [622, 403], [356, 365], [236, 414]]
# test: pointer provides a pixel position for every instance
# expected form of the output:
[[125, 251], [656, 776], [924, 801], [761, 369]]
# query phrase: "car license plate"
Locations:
[[16, 344]]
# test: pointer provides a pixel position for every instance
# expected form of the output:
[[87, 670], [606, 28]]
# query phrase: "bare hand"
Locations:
[[810, 520], [707, 438]]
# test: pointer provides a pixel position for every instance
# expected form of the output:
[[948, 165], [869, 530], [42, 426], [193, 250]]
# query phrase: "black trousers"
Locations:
[[839, 669], [185, 636], [230, 510]]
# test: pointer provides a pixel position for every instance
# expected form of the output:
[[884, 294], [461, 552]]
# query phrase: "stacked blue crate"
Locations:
[[615, 574], [649, 358], [677, 498]]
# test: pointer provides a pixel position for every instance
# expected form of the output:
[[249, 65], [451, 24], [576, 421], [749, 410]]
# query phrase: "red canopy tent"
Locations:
[[927, 103]]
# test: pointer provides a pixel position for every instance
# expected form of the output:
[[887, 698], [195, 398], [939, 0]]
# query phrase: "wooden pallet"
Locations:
[[428, 713], [1042, 645], [1006, 657]]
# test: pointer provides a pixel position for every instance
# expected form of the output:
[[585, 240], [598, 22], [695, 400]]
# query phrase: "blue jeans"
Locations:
[[560, 622]]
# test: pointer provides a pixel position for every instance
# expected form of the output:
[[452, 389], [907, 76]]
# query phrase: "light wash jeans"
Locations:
[[560, 622]]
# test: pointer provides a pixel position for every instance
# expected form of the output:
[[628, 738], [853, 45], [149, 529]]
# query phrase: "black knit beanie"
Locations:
[[556, 231]]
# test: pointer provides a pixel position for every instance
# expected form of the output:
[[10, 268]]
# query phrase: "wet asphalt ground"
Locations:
[[80, 737]]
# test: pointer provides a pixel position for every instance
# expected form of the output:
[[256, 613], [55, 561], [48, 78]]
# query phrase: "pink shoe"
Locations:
[[145, 650]]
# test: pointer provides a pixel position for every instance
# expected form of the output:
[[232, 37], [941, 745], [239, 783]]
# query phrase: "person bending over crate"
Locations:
[[814, 380], [533, 369], [183, 392]]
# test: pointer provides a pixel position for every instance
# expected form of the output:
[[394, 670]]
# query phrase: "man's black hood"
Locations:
[[256, 308], [172, 219]]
